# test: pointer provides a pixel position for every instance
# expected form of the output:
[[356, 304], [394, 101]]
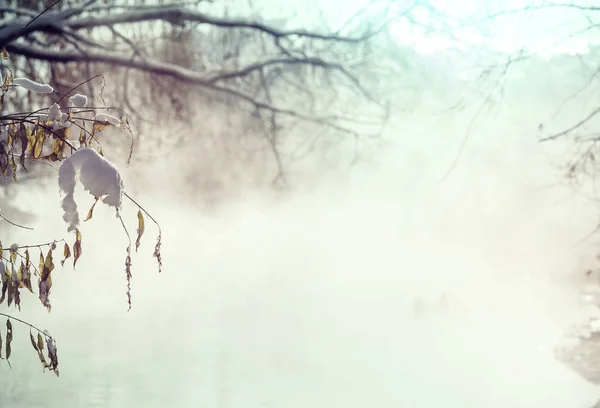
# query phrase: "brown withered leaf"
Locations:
[[66, 254], [10, 292], [48, 262], [98, 127], [58, 145], [40, 342], [23, 137], [33, 341], [128, 275], [9, 337], [38, 145], [91, 211], [27, 261], [76, 247], [5, 282], [140, 229], [41, 261], [157, 254], [13, 253], [52, 355], [7, 80], [82, 138], [13, 166], [45, 281], [16, 295], [39, 347]]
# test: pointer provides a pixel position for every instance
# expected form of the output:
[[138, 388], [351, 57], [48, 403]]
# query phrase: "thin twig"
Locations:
[[15, 224], [145, 212], [27, 324], [34, 246]]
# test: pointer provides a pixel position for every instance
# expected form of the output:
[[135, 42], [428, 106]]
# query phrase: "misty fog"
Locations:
[[442, 269]]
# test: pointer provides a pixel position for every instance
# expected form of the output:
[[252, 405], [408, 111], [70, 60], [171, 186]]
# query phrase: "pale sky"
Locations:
[[546, 31]]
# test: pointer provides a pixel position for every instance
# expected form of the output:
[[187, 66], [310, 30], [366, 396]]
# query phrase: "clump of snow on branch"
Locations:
[[97, 175], [78, 100], [32, 85], [103, 117], [54, 112], [59, 118]]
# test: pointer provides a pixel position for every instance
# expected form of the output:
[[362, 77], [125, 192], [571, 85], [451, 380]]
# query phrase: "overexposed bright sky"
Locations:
[[471, 23], [547, 30]]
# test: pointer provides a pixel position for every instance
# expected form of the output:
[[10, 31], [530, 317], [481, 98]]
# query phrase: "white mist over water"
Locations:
[[311, 300]]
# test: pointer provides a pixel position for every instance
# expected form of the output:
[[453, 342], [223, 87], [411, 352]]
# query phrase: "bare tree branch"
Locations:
[[180, 15], [158, 67]]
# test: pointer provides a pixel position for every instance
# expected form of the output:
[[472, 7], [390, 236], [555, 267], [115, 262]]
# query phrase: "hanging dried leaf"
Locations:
[[66, 254], [5, 279], [128, 275], [24, 142], [76, 247], [52, 354], [140, 229], [13, 253], [45, 282], [44, 292], [41, 261], [9, 337], [48, 263], [40, 342], [39, 143], [27, 261], [97, 127], [39, 346], [91, 211], [16, 284], [10, 292], [33, 341], [157, 254], [13, 166], [58, 145], [82, 138], [7, 80], [26, 275]]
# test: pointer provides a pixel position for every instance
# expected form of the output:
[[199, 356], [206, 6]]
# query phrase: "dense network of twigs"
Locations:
[[318, 80]]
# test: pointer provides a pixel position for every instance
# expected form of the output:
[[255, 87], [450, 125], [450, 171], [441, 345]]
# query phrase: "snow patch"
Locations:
[[78, 100], [32, 85], [54, 112], [97, 175], [103, 117]]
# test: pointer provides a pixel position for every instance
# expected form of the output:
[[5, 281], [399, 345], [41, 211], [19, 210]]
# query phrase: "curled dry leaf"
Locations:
[[140, 229], [76, 247], [9, 337], [157, 254], [91, 210], [128, 275], [66, 254]]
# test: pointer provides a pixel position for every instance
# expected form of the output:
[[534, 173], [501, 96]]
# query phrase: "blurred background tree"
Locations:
[[242, 95]]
